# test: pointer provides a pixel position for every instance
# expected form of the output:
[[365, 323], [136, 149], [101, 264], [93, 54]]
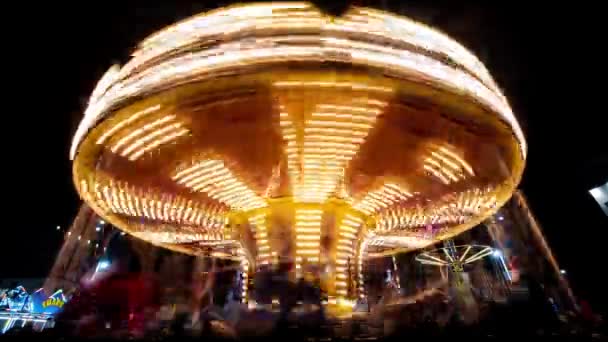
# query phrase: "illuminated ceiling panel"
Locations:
[[385, 197], [318, 153], [213, 178], [445, 164]]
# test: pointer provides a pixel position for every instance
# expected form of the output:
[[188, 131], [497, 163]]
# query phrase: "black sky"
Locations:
[[546, 59]]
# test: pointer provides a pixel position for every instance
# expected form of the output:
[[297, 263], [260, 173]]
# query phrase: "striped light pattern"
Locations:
[[180, 237], [348, 233], [276, 15], [465, 254], [147, 137], [126, 122], [446, 165], [461, 207], [288, 130], [213, 178], [352, 39], [332, 136], [385, 197], [258, 227], [321, 134], [308, 236], [353, 86], [122, 199], [395, 241], [158, 139]]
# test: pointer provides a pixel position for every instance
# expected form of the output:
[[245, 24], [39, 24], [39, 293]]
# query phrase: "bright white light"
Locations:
[[500, 218], [133, 79], [496, 253], [58, 227], [97, 229], [103, 265], [562, 271], [601, 196], [102, 222]]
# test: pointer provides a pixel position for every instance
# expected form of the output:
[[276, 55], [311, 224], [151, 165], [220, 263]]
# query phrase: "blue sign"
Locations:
[[41, 304]]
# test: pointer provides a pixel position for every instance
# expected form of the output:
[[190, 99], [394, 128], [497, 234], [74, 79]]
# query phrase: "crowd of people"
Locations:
[[123, 302]]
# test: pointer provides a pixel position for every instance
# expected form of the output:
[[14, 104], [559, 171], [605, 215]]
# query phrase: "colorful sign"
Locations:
[[47, 305]]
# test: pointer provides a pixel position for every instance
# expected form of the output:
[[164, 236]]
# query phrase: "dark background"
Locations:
[[547, 60]]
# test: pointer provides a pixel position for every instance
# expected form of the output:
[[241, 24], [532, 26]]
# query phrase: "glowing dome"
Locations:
[[271, 130]]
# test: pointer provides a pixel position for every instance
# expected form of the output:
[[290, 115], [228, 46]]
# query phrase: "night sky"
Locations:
[[546, 62]]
